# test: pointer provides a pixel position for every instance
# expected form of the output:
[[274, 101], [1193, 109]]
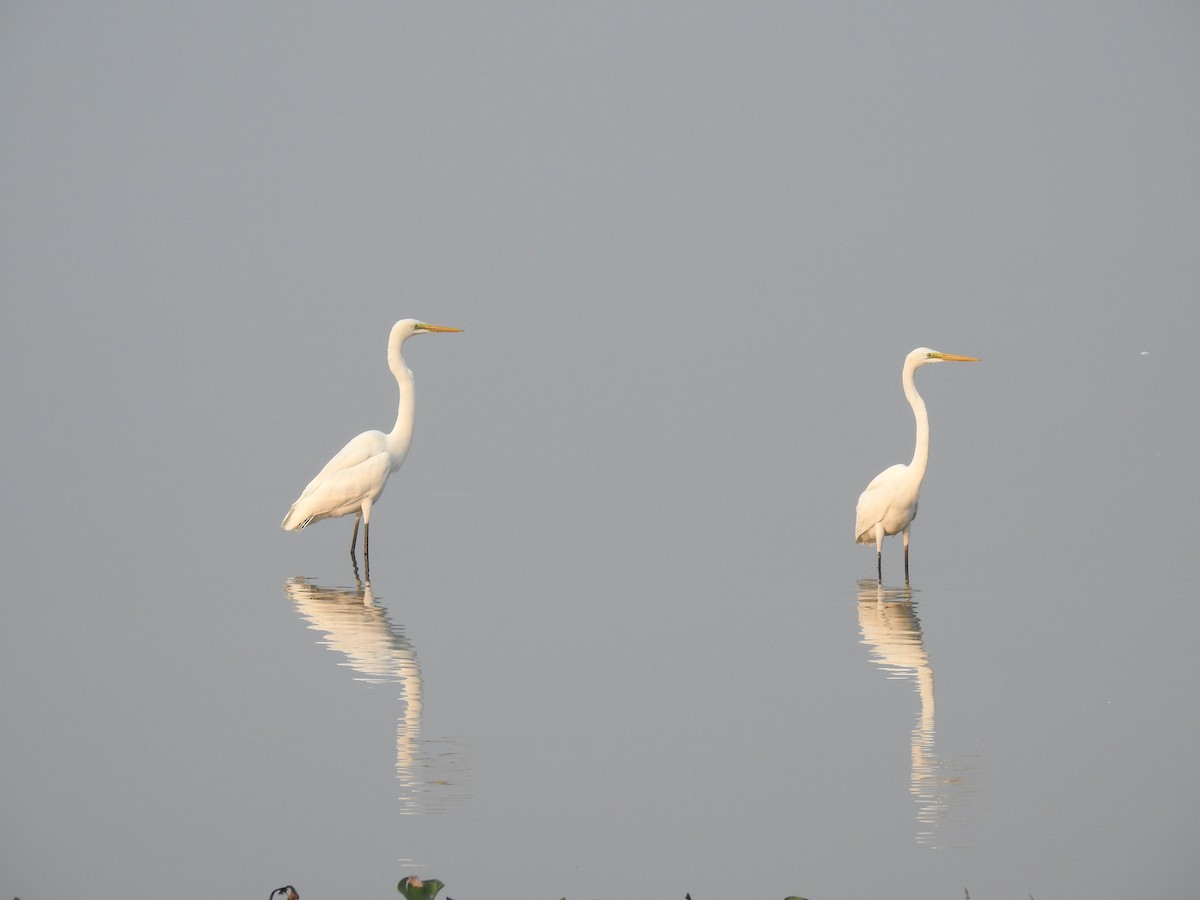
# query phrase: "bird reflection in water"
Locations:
[[359, 629], [890, 627]]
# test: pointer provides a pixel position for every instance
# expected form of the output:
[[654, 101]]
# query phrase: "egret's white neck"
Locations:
[[400, 436], [921, 454]]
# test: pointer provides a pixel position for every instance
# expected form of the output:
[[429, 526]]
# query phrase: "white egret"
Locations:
[[353, 480], [889, 504]]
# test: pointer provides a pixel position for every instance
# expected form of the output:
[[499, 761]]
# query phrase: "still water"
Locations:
[[522, 703], [865, 741], [431, 775]]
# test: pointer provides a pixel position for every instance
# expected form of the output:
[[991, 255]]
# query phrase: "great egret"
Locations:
[[353, 480], [889, 504]]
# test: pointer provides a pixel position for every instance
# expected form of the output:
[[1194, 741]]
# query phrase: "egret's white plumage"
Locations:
[[889, 504], [353, 480]]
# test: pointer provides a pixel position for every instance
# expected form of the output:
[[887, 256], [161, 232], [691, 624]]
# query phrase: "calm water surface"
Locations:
[[715, 737], [706, 727]]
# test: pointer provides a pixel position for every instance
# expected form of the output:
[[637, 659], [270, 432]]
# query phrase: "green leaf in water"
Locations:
[[413, 888]]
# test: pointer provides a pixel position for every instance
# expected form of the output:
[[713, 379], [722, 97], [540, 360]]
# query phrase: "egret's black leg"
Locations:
[[354, 537], [906, 563], [879, 564], [367, 542]]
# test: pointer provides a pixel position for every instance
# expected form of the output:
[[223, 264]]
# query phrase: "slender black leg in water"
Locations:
[[906, 563], [354, 537], [367, 551], [879, 565]]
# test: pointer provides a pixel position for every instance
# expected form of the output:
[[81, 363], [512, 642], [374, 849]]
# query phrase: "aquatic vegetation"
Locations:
[[413, 888]]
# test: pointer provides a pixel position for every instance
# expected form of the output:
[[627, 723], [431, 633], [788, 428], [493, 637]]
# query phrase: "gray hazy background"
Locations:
[[689, 246]]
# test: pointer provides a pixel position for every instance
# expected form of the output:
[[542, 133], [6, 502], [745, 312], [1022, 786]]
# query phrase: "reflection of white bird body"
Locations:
[[893, 630], [889, 504], [353, 480], [355, 627], [360, 631]]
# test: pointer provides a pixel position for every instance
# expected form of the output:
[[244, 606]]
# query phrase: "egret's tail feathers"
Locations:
[[293, 521]]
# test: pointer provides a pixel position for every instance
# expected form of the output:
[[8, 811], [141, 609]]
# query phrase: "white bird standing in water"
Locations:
[[353, 480], [889, 504]]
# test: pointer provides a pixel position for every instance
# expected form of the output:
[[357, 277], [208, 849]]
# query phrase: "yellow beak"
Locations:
[[950, 357], [428, 327]]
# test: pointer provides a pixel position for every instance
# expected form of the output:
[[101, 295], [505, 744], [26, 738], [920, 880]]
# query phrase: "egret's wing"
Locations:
[[359, 470], [873, 505], [358, 450]]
